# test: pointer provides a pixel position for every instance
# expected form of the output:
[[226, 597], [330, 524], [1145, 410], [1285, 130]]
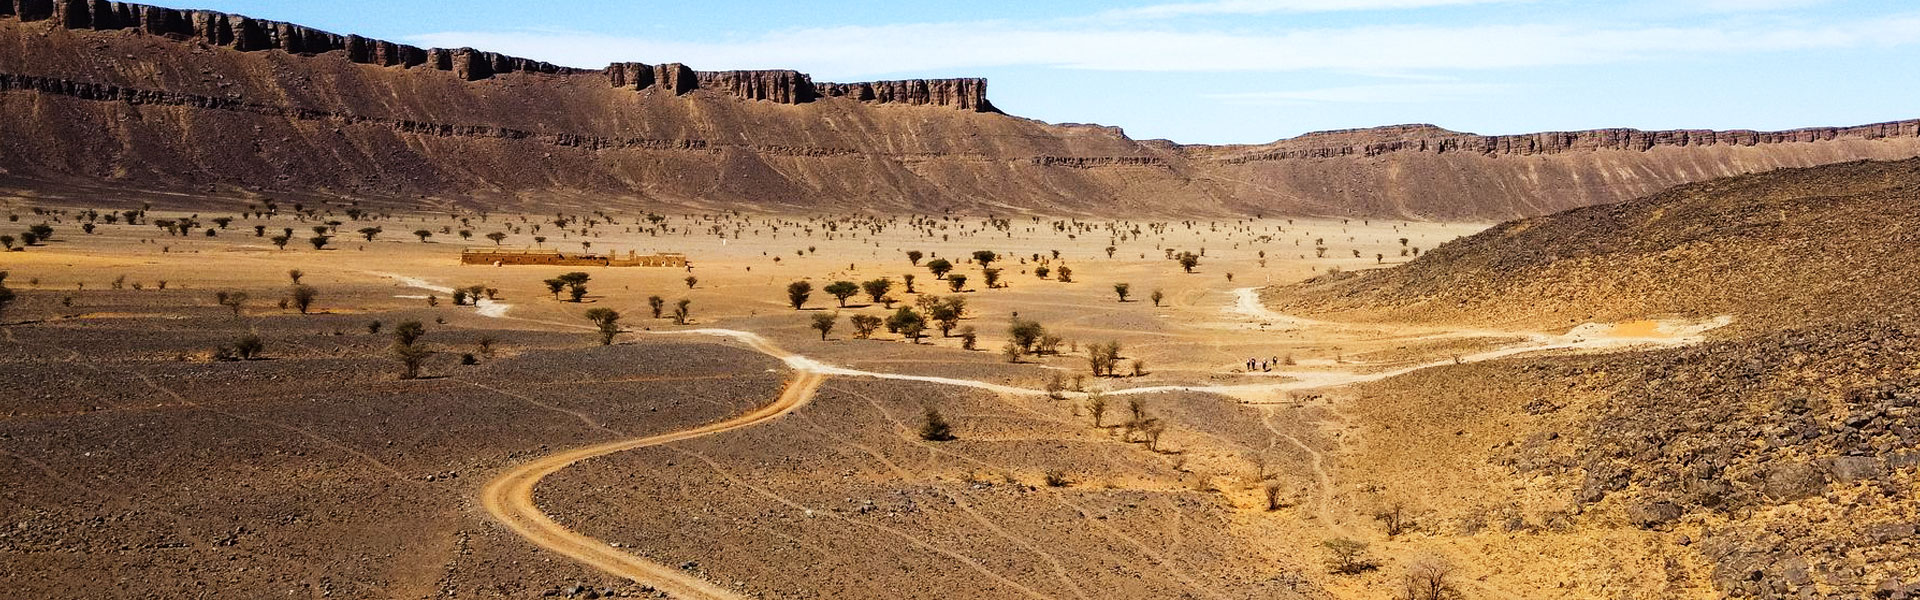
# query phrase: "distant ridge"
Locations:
[[253, 35], [1429, 138]]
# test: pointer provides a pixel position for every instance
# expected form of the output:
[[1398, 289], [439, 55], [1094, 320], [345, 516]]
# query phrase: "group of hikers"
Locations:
[[1256, 363]]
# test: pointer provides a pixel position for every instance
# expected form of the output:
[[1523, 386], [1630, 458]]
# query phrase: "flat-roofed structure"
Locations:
[[487, 256]]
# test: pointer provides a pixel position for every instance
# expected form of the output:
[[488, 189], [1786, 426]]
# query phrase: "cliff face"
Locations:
[[252, 35], [131, 97], [793, 87]]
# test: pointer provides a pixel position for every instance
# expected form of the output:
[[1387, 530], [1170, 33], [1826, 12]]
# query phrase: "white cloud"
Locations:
[[1256, 7], [1752, 5], [1409, 93], [917, 49]]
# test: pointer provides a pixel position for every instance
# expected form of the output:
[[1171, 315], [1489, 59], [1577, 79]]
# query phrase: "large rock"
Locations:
[[1647, 515]]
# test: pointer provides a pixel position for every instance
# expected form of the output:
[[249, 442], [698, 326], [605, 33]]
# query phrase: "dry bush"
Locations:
[[1275, 499], [1347, 557], [1395, 518], [934, 427], [1427, 579], [1057, 478]]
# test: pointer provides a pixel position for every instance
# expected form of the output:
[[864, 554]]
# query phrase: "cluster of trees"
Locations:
[[33, 236], [473, 293], [575, 283]]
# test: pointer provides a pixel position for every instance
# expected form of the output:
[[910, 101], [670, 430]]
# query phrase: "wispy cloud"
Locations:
[[1752, 5], [1260, 7], [843, 52], [1407, 93]]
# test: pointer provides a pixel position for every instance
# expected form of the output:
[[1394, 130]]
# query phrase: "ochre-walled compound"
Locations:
[[556, 257]]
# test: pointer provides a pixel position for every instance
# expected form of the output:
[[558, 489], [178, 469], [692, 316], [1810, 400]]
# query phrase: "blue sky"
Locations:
[[1249, 71]]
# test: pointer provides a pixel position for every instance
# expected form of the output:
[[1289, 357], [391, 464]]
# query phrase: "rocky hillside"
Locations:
[[1786, 248], [107, 99], [1775, 461], [1777, 465]]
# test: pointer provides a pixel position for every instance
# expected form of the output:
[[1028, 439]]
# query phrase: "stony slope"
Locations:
[[1780, 456], [126, 97], [1785, 248]]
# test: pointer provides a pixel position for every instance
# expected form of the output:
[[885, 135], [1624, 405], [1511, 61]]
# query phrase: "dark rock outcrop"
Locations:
[[966, 94], [793, 87], [252, 35]]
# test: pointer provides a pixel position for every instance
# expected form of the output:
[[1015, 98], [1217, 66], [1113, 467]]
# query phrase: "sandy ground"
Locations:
[[822, 490]]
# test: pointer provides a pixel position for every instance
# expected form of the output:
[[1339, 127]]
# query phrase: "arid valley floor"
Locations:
[[261, 335], [138, 464]]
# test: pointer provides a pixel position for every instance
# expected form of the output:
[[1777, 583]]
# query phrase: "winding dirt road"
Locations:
[[509, 497]]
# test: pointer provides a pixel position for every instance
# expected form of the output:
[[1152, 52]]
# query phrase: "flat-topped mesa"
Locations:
[[794, 87], [252, 35], [1439, 141]]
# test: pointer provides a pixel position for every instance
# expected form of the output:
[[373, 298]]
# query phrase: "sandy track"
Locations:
[[509, 497]]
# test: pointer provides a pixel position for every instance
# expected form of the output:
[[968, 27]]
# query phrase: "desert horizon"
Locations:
[[293, 313]]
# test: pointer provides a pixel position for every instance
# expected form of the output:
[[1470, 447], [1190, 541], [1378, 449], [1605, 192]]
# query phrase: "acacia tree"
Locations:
[[576, 283], [947, 313], [908, 322], [914, 257], [656, 303], [1156, 296], [497, 237], [985, 257], [939, 267], [681, 311], [369, 232], [607, 321], [842, 290], [798, 292], [878, 288], [1122, 290], [1188, 261], [422, 234], [864, 325], [1025, 334], [824, 323], [957, 282]]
